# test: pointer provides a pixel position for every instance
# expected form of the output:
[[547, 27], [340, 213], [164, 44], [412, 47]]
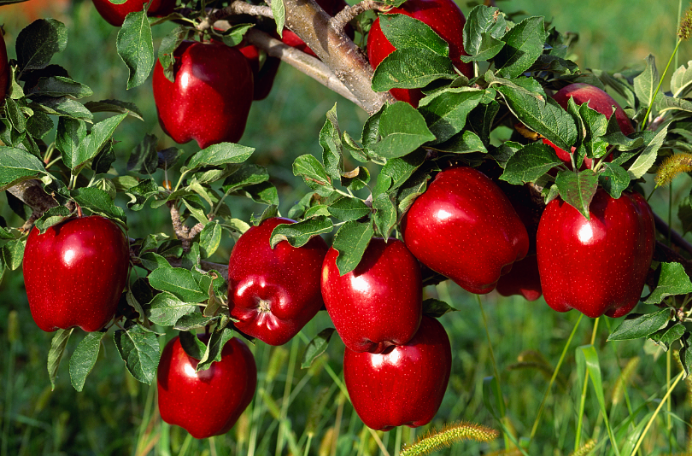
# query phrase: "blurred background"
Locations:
[[116, 415]]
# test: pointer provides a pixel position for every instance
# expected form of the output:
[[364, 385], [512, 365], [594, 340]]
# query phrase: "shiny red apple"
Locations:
[[274, 292], [599, 101], [380, 302], [75, 272], [405, 384], [115, 14], [597, 266], [210, 99], [465, 228], [522, 280], [209, 402], [263, 72], [444, 17]]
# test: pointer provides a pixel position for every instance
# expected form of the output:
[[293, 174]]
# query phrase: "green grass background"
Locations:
[[116, 415]]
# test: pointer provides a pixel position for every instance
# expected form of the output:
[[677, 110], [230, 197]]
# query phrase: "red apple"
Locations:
[[115, 14], [263, 72], [597, 266], [274, 292], [444, 17], [599, 101], [465, 228], [75, 272], [4, 70], [208, 402], [380, 302], [403, 385], [331, 7], [210, 99], [522, 280]]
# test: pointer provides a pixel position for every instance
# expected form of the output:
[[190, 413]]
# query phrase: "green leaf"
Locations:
[[60, 86], [210, 238], [351, 241], [446, 112], [405, 32], [530, 163], [57, 349], [218, 155], [636, 326], [410, 69], [144, 158], [316, 347], [645, 84], [100, 134], [681, 81], [38, 42], [614, 179], [98, 202], [17, 165], [248, 174], [279, 14], [348, 209], [298, 234], [13, 253], [179, 282], [166, 309], [524, 44], [648, 156], [63, 106], [465, 142], [666, 336], [482, 32], [39, 125], [673, 281], [332, 149], [264, 193], [542, 115], [139, 348], [401, 169], [136, 47], [403, 130], [15, 115], [312, 172], [192, 345], [194, 321], [234, 36], [71, 133], [587, 361], [116, 106], [51, 217], [385, 214], [577, 189], [435, 308], [84, 358], [140, 194], [215, 346]]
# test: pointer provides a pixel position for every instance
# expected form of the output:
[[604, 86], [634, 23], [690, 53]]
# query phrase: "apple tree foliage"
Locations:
[[518, 64]]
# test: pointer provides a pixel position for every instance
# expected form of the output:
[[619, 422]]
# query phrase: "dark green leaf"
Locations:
[[405, 32], [139, 348], [192, 345], [63, 106], [51, 217], [614, 179], [59, 86], [166, 309], [298, 234], [84, 358], [385, 214], [57, 349], [194, 321], [98, 202], [577, 189], [347, 209], [316, 347], [144, 159], [666, 336], [116, 106], [13, 253], [210, 238], [645, 84], [17, 165], [332, 149], [219, 154], [71, 133], [15, 115], [446, 112], [136, 47], [248, 174], [410, 69], [140, 194], [524, 44], [100, 134], [264, 193], [638, 326], [312, 172], [482, 32], [214, 349], [402, 129], [38, 42], [104, 159], [673, 281], [465, 142], [648, 156], [179, 282], [401, 169], [481, 120], [530, 163], [351, 241], [39, 125], [234, 35], [436, 308]]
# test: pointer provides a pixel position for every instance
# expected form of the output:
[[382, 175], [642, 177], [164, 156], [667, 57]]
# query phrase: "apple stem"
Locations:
[[79, 211]]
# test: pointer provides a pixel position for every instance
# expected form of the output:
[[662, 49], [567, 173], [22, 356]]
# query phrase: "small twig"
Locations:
[[181, 231], [237, 7], [195, 231], [349, 13]]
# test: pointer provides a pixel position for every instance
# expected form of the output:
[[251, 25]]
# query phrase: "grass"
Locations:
[[303, 412]]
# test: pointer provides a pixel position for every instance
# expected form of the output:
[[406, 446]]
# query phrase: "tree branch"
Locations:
[[677, 239], [237, 7], [349, 13]]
